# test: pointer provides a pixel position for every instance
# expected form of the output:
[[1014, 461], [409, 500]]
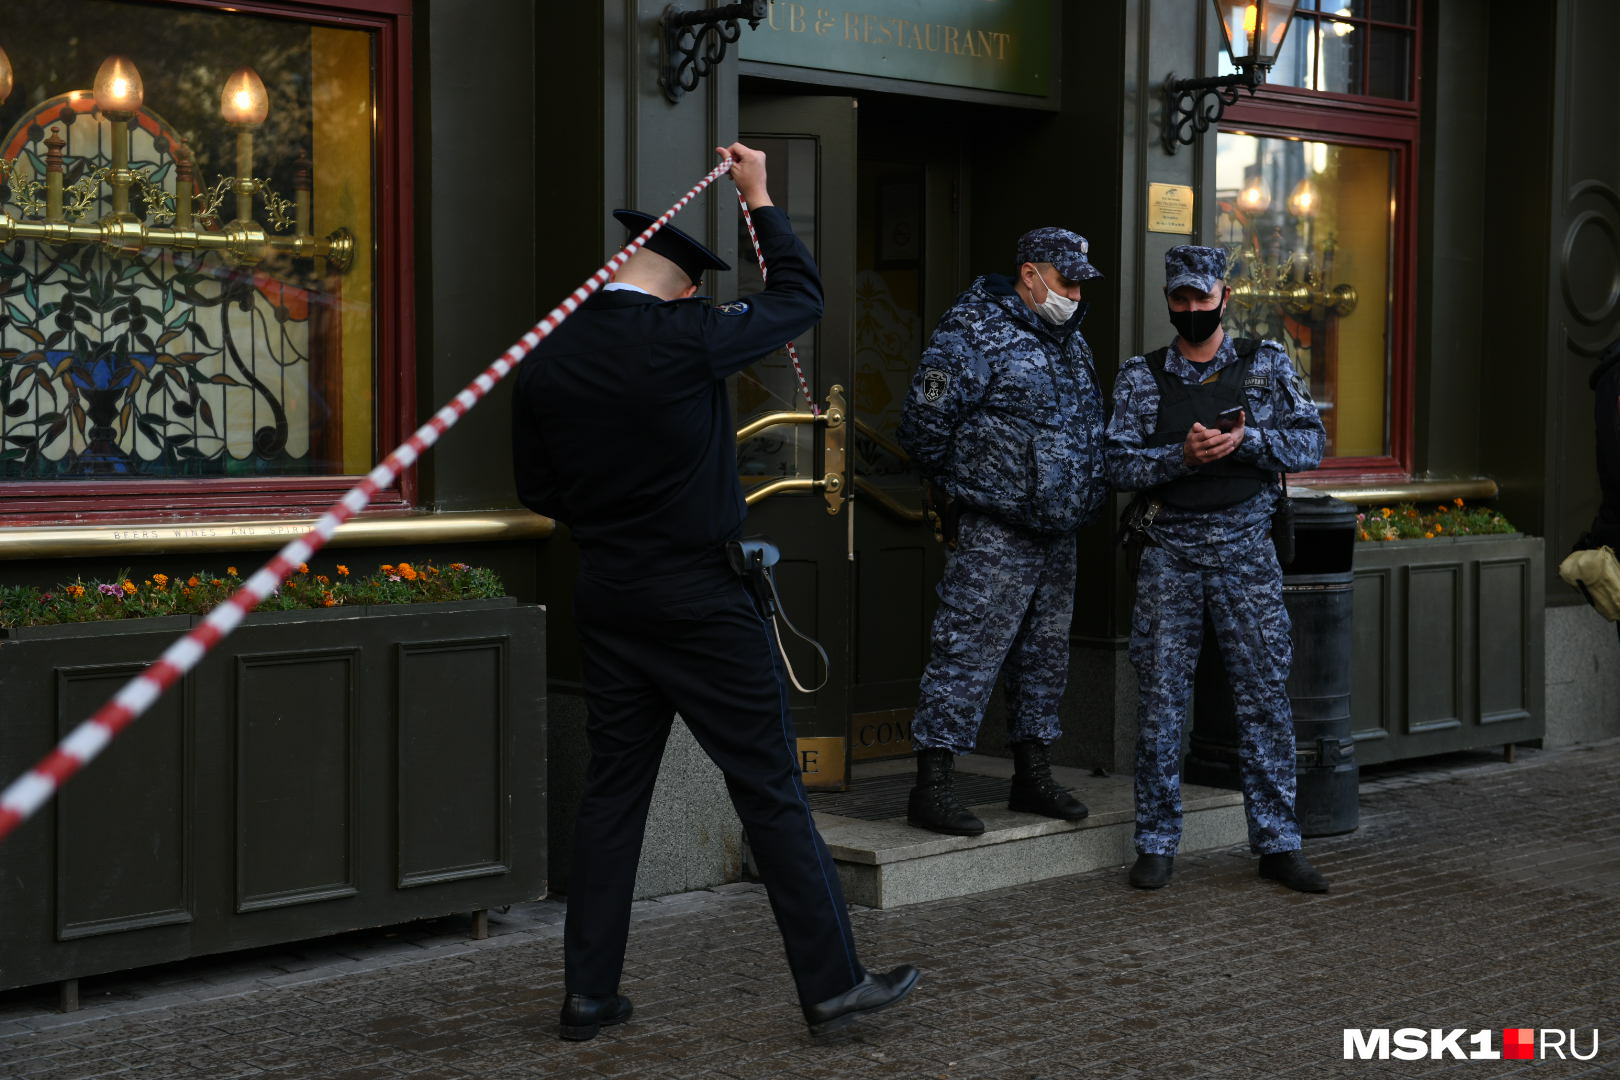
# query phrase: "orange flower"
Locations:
[[1387, 512], [329, 601], [1457, 501], [231, 570], [343, 571], [129, 587], [387, 568], [185, 592], [1428, 536], [215, 581], [407, 571], [1439, 528], [74, 591], [193, 581], [323, 579], [161, 579]]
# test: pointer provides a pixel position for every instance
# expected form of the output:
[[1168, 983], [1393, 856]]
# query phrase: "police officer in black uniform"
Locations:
[[623, 432]]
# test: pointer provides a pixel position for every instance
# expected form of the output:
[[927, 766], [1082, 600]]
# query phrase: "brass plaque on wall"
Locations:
[[1170, 208], [821, 762], [880, 734]]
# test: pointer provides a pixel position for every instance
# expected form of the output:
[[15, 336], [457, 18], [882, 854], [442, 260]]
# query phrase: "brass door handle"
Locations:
[[834, 431]]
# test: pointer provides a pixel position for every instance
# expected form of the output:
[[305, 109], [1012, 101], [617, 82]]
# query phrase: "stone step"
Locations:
[[885, 863]]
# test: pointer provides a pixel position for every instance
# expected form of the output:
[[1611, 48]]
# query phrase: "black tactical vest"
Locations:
[[1218, 484]]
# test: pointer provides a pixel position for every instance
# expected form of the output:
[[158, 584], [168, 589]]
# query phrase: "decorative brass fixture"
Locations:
[[119, 95]]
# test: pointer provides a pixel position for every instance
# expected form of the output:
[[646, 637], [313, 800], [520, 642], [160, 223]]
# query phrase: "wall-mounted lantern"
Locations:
[[1254, 31]]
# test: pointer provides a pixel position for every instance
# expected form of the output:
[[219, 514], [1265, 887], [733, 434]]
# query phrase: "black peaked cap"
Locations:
[[692, 257]]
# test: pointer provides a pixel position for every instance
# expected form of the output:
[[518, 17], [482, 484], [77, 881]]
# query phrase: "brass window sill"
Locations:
[[266, 534], [1380, 491]]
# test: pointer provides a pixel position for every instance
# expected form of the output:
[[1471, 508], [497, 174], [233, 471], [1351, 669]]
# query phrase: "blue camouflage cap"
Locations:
[[1060, 247], [1200, 267]]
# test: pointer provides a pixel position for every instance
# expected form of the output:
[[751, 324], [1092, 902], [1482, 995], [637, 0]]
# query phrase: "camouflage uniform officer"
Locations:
[[1004, 416], [1211, 488]]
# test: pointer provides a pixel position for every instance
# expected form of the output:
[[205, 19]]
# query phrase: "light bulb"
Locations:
[[244, 101], [118, 86]]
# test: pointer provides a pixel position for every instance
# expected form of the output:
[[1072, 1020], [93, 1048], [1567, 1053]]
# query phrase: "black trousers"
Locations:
[[693, 644]]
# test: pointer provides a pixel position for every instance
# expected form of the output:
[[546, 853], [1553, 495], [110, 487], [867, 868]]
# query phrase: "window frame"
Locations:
[[394, 359], [1382, 123]]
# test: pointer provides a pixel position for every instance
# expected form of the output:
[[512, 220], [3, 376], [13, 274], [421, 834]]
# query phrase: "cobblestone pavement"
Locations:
[[1478, 896]]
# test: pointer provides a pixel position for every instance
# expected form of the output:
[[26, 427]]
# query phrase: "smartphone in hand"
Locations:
[[1229, 419]]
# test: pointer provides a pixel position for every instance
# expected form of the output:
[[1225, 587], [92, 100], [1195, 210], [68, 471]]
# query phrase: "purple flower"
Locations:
[[111, 590]]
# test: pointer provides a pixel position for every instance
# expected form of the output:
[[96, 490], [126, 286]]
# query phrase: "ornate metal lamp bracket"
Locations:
[[1193, 106], [693, 43]]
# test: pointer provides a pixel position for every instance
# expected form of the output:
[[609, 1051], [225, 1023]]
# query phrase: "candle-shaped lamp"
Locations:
[[119, 94], [244, 105], [6, 76]]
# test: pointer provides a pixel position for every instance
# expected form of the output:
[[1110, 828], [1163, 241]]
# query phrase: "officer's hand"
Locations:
[[1204, 444], [748, 173]]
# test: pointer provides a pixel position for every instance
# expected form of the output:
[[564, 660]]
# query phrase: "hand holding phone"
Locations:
[[1229, 419]]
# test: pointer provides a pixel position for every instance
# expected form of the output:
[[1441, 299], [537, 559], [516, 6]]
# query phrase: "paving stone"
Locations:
[[1477, 895]]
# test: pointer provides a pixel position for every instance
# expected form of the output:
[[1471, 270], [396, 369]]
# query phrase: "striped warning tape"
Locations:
[[793, 353], [34, 789]]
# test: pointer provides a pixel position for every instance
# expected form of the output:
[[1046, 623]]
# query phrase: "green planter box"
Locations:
[[1449, 647], [318, 772]]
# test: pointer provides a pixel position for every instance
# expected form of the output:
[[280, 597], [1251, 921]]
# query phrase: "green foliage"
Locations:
[[1406, 522], [198, 593]]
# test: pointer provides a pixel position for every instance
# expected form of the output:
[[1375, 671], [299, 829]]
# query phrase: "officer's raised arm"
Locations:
[[739, 333]]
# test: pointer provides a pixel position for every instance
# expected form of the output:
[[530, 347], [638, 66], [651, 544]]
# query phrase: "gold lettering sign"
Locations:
[[1170, 208], [821, 762], [987, 44], [880, 734]]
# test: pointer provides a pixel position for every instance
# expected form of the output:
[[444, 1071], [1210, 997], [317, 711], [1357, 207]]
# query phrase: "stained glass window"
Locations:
[[186, 255]]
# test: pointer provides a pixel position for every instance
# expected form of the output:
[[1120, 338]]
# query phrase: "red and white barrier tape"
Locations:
[[34, 788], [793, 353]]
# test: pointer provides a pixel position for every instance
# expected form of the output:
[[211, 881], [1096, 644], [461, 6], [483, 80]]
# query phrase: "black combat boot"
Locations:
[[1033, 789], [933, 804]]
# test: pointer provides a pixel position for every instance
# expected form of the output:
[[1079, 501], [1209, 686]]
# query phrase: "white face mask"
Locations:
[[1056, 309]]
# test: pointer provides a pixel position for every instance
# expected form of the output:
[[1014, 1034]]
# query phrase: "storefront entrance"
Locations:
[[884, 218]]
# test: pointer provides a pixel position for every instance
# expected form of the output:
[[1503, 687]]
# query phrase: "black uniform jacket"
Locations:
[[622, 429]]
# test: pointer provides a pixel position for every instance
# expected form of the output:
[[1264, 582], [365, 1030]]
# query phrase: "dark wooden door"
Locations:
[[792, 461]]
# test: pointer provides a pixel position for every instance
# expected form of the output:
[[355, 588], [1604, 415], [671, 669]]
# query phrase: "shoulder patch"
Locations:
[[1259, 382], [736, 307], [935, 384]]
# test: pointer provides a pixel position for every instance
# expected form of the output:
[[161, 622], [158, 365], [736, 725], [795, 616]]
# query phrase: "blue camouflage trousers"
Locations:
[[1005, 604], [1243, 596]]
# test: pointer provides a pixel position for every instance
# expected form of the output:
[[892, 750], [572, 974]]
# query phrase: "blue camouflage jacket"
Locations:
[[1282, 433], [1005, 414]]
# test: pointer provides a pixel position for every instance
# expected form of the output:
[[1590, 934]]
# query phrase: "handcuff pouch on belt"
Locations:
[[1133, 529], [751, 558], [1282, 524], [942, 510]]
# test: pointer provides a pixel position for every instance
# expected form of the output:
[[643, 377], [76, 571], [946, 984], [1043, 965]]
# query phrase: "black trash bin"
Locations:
[[1317, 590]]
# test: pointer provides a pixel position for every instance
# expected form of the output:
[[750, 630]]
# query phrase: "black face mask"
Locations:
[[1197, 326]]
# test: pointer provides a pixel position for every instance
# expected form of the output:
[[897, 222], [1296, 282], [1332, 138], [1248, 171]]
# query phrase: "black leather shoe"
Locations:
[[1034, 791], [583, 1015], [869, 995], [1292, 869], [1152, 871]]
